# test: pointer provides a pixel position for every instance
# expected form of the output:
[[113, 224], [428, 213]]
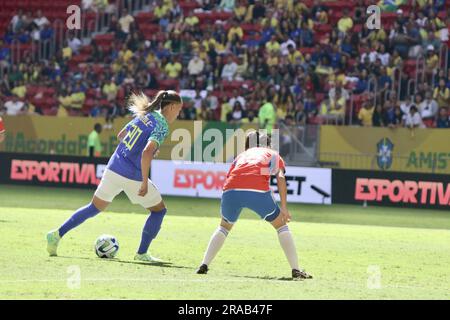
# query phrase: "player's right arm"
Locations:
[[282, 190], [147, 157], [122, 134]]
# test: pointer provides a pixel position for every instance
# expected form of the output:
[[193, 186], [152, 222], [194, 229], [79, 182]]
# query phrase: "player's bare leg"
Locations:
[[215, 244], [92, 209], [150, 231], [288, 245]]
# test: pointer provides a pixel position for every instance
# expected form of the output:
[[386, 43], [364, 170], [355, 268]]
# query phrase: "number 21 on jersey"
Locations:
[[132, 136]]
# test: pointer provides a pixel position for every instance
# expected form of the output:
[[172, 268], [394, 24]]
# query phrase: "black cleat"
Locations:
[[203, 269], [300, 275]]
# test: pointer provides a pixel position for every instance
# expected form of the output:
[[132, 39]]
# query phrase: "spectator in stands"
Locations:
[[110, 90], [19, 89], [229, 69], [237, 114], [273, 45], [431, 62], [428, 108], [389, 113], [251, 118], [77, 97], [413, 119], [227, 5], [283, 98], [300, 115], [14, 106], [365, 114], [16, 21], [196, 66], [125, 23], [173, 68], [397, 119], [442, 94], [40, 20], [212, 101], [5, 54], [14, 75], [235, 33], [378, 116], [406, 105], [239, 98], [267, 115], [240, 10], [334, 108], [345, 23], [443, 120], [73, 43], [189, 112]]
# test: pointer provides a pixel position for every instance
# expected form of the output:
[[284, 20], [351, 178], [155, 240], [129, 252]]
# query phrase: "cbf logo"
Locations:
[[384, 153]]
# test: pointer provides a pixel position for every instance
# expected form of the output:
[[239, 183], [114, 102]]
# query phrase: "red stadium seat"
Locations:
[[306, 50], [169, 84], [428, 122]]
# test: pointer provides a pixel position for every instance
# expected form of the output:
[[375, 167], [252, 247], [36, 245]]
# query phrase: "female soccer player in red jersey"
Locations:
[[247, 186]]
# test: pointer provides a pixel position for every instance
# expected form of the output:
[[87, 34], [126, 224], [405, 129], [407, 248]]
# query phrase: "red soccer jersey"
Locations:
[[251, 170], [2, 128]]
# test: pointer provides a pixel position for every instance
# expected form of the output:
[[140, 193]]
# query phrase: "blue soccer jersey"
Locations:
[[126, 160]]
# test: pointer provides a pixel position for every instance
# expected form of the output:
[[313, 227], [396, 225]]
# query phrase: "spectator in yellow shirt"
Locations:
[[431, 61], [273, 59], [235, 31], [241, 10], [191, 20], [442, 94], [125, 53], [294, 56], [77, 98], [345, 23], [110, 90], [20, 89], [173, 68], [365, 115], [161, 9], [273, 45]]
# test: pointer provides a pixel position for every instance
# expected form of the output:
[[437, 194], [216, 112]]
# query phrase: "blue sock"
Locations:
[[151, 229], [78, 218]]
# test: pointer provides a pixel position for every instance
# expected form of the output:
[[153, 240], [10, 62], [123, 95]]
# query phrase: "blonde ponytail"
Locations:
[[140, 105]]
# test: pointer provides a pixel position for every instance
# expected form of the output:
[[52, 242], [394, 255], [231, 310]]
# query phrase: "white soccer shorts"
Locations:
[[112, 184]]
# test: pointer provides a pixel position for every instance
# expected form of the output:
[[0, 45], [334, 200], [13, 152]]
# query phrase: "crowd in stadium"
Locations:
[[308, 62]]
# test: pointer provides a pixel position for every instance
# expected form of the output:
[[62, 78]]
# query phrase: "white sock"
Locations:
[[216, 242], [287, 243]]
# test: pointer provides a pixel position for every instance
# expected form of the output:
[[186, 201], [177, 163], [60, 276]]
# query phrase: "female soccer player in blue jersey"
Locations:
[[128, 169]]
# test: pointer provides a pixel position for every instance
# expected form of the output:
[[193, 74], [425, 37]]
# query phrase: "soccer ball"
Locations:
[[106, 246]]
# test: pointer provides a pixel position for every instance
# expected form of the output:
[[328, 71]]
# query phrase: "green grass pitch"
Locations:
[[353, 252]]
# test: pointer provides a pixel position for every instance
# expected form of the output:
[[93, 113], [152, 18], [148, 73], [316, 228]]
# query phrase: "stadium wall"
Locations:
[[400, 149]]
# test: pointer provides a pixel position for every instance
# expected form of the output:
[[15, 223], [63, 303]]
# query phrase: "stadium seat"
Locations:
[[169, 84]]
